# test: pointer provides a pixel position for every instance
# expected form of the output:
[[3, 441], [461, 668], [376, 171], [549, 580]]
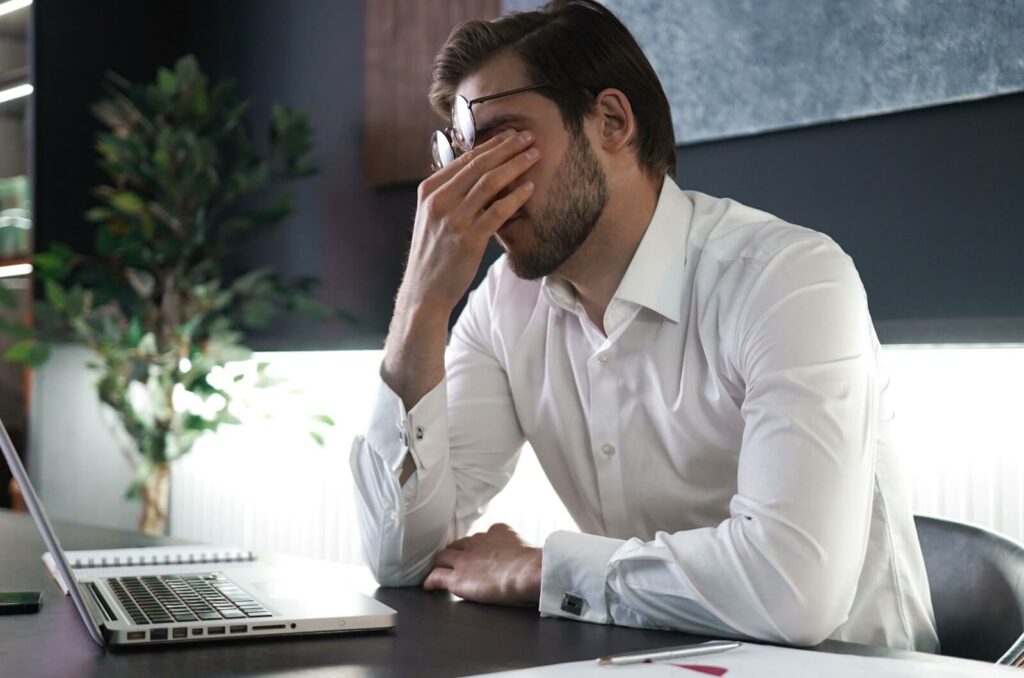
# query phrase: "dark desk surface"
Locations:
[[436, 634]]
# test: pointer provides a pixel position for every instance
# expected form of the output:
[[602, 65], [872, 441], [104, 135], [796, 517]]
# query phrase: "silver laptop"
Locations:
[[144, 605]]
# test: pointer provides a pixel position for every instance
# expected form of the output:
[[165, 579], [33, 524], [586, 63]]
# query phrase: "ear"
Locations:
[[614, 117]]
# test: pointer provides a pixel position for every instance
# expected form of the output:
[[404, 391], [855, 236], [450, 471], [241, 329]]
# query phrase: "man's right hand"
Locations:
[[459, 208]]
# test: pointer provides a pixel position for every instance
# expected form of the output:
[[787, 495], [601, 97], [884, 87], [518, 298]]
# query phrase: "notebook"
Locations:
[[146, 556]]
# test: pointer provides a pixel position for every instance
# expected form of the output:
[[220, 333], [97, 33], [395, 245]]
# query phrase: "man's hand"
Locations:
[[489, 567], [459, 208]]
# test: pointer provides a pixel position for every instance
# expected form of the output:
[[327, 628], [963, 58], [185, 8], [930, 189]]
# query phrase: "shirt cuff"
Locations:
[[421, 431], [574, 574]]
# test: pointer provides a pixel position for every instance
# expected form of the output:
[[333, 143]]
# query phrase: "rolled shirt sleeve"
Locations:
[[784, 566]]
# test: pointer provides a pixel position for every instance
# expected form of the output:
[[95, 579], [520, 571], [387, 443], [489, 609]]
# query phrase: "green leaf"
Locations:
[[323, 419], [167, 81], [318, 438], [55, 293], [55, 262], [133, 335], [228, 418], [29, 352], [258, 313], [128, 202]]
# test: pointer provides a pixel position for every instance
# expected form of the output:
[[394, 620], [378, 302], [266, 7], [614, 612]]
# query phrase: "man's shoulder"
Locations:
[[729, 232]]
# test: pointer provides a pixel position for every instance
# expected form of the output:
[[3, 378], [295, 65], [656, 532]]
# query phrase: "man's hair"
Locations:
[[578, 48]]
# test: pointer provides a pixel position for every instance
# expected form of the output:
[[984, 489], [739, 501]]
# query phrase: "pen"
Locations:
[[710, 647]]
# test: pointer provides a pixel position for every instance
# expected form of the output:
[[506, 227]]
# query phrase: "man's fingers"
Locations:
[[497, 181], [476, 164], [446, 557], [502, 210], [445, 174], [458, 544], [438, 579]]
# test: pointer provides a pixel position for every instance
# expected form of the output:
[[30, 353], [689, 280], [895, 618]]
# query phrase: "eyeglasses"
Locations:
[[450, 143]]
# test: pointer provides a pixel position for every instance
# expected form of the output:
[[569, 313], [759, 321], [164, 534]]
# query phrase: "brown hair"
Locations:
[[577, 47]]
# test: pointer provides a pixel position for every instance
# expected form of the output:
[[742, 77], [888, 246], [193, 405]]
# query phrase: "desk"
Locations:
[[437, 635]]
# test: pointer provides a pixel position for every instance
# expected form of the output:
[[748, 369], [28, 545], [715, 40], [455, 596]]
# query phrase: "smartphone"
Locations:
[[20, 603]]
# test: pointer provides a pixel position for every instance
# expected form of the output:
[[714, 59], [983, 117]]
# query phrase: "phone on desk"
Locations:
[[20, 603]]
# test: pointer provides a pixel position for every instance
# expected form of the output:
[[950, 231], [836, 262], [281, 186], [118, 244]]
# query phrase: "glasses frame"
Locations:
[[451, 142]]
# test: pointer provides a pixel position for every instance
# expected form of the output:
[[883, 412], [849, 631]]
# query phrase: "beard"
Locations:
[[576, 199]]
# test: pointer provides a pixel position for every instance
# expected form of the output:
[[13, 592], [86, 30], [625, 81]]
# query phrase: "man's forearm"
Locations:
[[414, 350], [414, 358]]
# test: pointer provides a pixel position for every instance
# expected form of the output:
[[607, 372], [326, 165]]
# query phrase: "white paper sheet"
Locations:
[[759, 661]]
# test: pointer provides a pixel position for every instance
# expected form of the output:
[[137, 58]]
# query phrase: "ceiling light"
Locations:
[[16, 92], [13, 6]]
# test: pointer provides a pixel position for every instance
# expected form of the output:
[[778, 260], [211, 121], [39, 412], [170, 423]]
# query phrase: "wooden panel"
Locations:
[[402, 39]]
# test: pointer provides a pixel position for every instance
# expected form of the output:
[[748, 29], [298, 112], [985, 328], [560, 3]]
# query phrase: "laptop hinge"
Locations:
[[108, 613]]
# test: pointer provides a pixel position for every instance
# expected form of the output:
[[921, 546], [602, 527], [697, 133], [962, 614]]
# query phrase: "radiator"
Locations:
[[270, 487]]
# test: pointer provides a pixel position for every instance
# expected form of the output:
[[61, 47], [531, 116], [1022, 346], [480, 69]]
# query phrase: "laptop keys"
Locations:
[[173, 598]]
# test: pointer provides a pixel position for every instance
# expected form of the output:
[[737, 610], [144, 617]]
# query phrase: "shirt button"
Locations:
[[609, 450], [393, 515], [603, 358]]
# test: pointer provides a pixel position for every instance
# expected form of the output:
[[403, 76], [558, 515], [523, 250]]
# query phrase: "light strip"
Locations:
[[13, 6], [15, 93], [14, 270]]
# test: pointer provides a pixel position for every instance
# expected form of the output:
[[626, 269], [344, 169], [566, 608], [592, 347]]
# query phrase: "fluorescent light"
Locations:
[[13, 6], [15, 93], [14, 270]]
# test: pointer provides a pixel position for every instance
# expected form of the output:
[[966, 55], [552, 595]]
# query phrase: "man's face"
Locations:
[[571, 189]]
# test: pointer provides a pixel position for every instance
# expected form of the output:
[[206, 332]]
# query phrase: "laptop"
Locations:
[[161, 604]]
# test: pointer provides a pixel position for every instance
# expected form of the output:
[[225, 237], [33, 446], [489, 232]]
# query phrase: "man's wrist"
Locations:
[[414, 352], [528, 585]]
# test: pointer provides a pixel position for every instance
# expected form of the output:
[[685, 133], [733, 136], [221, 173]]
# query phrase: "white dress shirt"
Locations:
[[726, 450]]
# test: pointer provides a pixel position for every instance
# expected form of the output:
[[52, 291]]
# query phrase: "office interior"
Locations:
[[916, 174]]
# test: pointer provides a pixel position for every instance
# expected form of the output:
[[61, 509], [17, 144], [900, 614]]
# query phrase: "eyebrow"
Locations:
[[483, 129]]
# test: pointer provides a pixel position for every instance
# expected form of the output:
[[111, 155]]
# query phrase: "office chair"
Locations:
[[977, 583]]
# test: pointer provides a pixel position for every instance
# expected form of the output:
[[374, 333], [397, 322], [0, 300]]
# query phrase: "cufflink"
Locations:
[[419, 433], [572, 604]]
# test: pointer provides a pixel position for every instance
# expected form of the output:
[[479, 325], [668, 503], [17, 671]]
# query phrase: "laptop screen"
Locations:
[[35, 507]]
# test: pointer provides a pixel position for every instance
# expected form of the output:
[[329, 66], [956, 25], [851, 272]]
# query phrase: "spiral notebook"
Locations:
[[151, 555]]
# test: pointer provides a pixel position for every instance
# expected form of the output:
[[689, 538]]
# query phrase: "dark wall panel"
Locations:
[[75, 43], [310, 55]]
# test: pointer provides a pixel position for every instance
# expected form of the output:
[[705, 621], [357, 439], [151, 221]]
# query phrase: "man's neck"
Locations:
[[597, 268]]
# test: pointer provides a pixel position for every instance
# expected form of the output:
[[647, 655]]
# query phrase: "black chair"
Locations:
[[977, 583]]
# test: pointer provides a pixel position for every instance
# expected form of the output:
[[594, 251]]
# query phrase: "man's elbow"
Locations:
[[813, 618], [392, 575]]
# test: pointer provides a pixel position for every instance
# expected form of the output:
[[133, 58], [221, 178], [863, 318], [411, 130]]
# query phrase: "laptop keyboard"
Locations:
[[184, 598]]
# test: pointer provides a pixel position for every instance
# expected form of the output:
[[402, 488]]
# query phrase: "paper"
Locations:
[[760, 661]]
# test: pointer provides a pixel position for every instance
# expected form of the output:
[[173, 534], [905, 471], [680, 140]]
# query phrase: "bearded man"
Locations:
[[700, 380]]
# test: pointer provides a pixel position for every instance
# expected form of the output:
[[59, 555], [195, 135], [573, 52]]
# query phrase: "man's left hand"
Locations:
[[489, 567]]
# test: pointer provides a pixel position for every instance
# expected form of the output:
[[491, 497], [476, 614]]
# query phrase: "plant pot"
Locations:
[[156, 494]]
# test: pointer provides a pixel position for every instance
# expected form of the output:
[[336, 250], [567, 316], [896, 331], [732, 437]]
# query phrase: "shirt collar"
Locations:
[[654, 278]]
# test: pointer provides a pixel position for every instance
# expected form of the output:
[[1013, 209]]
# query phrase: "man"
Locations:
[[700, 380]]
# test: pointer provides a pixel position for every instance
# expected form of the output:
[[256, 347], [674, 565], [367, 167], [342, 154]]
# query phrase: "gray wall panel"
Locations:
[[737, 67]]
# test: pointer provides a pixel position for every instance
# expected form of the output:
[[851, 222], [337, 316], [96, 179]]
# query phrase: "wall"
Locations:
[[311, 55]]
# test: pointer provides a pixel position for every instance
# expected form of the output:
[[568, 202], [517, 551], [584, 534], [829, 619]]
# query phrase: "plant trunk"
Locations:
[[156, 495]]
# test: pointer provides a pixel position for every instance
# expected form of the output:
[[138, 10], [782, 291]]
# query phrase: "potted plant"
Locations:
[[155, 301]]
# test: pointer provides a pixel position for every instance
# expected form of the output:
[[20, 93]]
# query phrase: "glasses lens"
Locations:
[[441, 149], [463, 125]]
